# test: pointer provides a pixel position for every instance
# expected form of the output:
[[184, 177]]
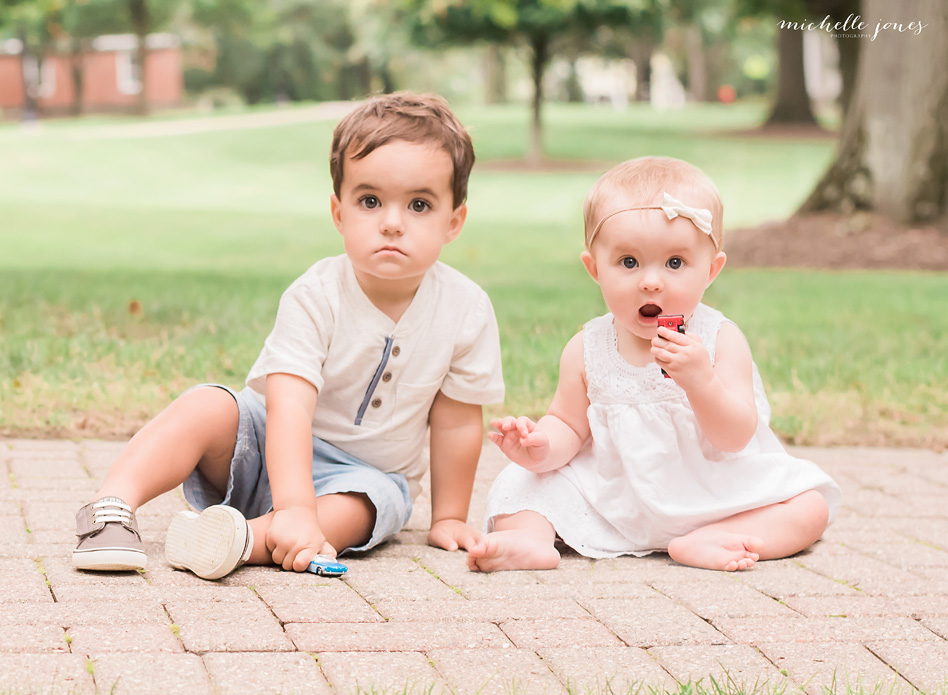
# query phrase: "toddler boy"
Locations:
[[323, 449]]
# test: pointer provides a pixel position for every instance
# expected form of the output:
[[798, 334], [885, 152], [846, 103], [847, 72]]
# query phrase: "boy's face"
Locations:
[[647, 265], [396, 212]]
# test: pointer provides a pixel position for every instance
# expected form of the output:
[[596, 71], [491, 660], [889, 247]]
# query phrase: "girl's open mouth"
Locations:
[[649, 311]]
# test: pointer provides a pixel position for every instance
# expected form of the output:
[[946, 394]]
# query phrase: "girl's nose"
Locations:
[[651, 280]]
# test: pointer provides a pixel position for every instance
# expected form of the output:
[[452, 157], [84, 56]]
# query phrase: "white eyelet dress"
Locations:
[[648, 474]]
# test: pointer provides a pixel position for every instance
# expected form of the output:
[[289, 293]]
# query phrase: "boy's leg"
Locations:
[[521, 541], [771, 532], [357, 507], [196, 430], [346, 519]]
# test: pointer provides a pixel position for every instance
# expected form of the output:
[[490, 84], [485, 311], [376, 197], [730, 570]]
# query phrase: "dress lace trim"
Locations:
[[612, 380]]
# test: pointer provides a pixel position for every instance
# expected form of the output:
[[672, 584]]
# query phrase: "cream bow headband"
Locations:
[[700, 217]]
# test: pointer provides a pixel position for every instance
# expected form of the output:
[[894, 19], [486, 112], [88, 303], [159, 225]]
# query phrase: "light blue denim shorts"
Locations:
[[334, 471]]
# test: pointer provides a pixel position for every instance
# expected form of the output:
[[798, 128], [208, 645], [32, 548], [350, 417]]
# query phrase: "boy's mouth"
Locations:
[[650, 311]]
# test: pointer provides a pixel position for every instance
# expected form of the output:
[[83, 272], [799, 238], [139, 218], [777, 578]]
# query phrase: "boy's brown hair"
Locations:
[[403, 116]]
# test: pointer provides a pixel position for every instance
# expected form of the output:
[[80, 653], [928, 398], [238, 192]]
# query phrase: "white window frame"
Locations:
[[40, 76], [127, 78]]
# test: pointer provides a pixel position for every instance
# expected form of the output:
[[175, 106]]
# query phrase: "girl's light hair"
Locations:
[[644, 181]]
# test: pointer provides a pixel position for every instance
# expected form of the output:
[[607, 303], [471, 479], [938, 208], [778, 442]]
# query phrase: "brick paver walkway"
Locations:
[[870, 601]]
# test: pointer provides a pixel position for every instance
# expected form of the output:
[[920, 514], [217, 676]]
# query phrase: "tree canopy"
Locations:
[[541, 25]]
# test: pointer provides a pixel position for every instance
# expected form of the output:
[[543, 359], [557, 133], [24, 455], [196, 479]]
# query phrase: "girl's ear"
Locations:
[[590, 263], [717, 265], [335, 208]]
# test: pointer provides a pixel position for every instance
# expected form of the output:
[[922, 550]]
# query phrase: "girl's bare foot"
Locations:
[[716, 549], [512, 550]]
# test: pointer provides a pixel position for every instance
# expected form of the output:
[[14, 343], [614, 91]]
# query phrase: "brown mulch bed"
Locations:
[[826, 240], [834, 241]]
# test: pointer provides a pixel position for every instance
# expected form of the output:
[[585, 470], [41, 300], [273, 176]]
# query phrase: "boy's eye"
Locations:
[[675, 263], [629, 262], [369, 201], [418, 205]]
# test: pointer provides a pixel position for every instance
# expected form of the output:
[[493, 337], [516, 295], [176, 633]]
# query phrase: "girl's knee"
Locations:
[[814, 512]]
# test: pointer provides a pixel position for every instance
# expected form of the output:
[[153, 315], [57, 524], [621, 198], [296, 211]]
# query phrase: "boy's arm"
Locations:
[[457, 431], [294, 535]]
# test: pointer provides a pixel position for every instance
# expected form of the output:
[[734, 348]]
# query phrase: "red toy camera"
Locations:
[[673, 322]]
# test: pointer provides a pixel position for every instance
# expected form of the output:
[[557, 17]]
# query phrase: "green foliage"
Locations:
[[529, 20], [283, 50]]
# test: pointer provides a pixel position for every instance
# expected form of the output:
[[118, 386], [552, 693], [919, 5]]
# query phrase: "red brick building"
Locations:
[[110, 76]]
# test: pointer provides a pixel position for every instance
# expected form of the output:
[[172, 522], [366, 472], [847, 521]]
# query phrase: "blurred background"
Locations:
[[82, 56], [163, 177]]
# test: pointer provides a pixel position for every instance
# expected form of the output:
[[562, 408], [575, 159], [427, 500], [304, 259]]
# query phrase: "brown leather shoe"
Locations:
[[109, 539]]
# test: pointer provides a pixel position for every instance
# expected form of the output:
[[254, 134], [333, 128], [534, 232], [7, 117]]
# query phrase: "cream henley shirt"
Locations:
[[377, 378]]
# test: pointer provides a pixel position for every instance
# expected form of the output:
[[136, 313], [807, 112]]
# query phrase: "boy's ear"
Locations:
[[590, 263], [457, 223], [717, 265], [335, 208]]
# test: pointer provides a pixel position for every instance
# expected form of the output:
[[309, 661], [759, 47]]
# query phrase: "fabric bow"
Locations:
[[701, 217]]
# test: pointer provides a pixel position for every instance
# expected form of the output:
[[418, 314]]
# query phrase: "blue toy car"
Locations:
[[326, 566]]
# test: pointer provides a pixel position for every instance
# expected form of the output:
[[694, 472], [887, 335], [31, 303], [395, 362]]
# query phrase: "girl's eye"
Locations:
[[675, 263], [629, 262], [418, 205], [369, 201]]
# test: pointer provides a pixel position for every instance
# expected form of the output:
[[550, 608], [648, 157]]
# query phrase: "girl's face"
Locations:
[[646, 265]]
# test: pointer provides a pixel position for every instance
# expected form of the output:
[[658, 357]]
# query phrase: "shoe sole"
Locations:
[[210, 544], [109, 559]]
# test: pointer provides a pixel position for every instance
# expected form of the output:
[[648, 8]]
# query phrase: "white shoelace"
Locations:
[[111, 510]]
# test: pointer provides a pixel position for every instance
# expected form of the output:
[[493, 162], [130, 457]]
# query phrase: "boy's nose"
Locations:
[[392, 221]]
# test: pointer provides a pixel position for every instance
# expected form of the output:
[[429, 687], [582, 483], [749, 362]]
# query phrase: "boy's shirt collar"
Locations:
[[415, 311]]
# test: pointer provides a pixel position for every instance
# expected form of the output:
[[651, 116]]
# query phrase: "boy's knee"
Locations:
[[212, 404]]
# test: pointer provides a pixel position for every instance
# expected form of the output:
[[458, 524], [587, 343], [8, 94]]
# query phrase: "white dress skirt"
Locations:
[[648, 474]]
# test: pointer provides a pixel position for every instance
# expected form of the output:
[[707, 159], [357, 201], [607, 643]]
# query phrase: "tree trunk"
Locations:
[[697, 64], [495, 73], [641, 54], [848, 50], [386, 78], [539, 60], [76, 57], [30, 110], [793, 103], [893, 151], [141, 21]]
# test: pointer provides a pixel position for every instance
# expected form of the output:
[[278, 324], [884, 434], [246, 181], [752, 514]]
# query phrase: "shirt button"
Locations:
[[377, 402], [395, 351], [387, 376]]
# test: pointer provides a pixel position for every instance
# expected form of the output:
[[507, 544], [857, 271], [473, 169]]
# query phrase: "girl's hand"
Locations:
[[521, 441], [683, 357]]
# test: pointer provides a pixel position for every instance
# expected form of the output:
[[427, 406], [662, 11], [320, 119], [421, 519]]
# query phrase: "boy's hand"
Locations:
[[452, 534], [294, 538], [521, 441], [683, 356]]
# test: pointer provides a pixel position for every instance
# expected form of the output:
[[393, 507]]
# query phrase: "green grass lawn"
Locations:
[[203, 232]]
